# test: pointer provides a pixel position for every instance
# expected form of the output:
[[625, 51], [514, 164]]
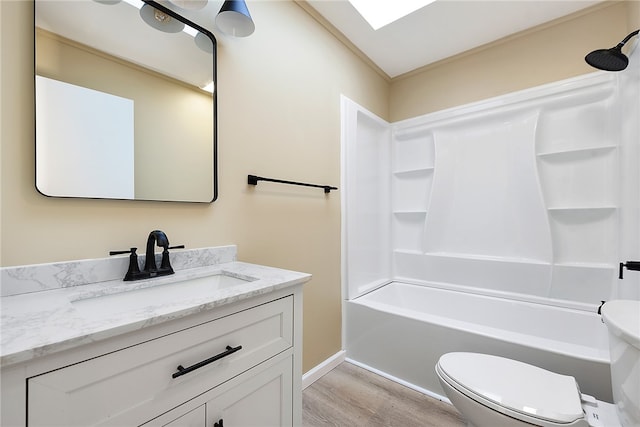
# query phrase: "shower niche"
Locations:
[[578, 143], [523, 195], [411, 188]]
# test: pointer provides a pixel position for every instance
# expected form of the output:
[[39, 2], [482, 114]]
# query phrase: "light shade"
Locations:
[[234, 19], [203, 42], [160, 20]]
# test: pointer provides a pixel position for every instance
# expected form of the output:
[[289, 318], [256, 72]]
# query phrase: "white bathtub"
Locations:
[[400, 330]]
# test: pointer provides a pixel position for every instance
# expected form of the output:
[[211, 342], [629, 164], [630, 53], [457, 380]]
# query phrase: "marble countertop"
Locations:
[[39, 323]]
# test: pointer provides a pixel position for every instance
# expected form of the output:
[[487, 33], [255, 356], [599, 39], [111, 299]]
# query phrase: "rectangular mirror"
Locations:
[[121, 106]]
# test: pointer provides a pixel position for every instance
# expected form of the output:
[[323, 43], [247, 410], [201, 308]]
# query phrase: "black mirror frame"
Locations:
[[215, 85], [212, 37]]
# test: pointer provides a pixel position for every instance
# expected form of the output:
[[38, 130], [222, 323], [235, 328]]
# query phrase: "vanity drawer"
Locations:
[[132, 385]]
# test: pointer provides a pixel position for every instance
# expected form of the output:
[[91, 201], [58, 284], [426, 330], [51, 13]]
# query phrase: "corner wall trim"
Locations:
[[323, 368]]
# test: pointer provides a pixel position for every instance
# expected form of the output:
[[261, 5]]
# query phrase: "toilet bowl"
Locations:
[[493, 391]]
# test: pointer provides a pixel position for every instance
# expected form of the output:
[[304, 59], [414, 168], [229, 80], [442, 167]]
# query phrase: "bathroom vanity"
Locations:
[[217, 342]]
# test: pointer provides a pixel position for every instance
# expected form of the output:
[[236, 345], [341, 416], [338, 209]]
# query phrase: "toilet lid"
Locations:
[[522, 388]]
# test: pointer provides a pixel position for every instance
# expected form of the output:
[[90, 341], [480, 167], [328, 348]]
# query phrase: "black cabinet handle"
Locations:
[[182, 370]]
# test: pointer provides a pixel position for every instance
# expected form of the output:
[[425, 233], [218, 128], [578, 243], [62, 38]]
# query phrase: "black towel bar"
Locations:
[[253, 180]]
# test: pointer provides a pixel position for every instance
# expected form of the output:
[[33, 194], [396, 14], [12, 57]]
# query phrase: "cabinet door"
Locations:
[[261, 400], [260, 397], [194, 418]]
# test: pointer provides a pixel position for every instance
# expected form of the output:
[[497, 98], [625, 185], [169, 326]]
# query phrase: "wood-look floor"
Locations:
[[350, 396]]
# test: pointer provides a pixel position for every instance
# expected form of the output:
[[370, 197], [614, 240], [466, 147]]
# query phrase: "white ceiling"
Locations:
[[441, 29]]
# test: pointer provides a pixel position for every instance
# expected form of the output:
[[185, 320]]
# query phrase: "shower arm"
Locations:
[[626, 39]]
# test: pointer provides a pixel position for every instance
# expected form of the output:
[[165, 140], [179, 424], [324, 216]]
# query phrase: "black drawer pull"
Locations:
[[182, 370]]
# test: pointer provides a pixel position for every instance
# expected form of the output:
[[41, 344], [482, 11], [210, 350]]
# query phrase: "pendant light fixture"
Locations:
[[203, 42], [234, 19], [160, 20]]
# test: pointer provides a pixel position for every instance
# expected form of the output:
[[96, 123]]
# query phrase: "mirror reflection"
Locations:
[[123, 110]]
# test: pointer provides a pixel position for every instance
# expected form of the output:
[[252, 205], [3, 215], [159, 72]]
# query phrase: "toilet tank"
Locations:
[[622, 318]]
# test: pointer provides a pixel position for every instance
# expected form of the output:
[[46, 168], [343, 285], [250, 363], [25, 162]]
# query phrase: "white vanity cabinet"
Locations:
[[240, 363], [262, 397], [194, 418]]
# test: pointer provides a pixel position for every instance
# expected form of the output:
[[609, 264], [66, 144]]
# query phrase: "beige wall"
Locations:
[[279, 116], [633, 16], [550, 52]]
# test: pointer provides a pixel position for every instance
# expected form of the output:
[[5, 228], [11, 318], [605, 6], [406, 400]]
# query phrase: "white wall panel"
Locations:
[[524, 195], [366, 243], [531, 194]]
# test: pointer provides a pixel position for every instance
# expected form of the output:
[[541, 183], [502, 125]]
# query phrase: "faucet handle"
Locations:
[[165, 264], [132, 250], [133, 273]]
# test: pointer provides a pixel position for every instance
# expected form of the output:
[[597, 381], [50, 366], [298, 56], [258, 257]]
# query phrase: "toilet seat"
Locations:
[[525, 392]]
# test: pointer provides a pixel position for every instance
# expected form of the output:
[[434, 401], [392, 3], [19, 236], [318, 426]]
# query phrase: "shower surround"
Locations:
[[457, 223], [535, 186], [517, 191]]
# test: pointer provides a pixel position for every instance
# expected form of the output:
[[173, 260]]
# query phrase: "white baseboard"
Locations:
[[318, 371], [402, 382]]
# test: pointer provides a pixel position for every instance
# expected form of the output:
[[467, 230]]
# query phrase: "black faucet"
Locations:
[[156, 237]]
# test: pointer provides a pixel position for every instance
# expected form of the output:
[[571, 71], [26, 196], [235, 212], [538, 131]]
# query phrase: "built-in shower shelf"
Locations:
[[413, 153], [410, 189], [413, 172], [408, 252], [569, 154], [587, 265], [581, 208], [403, 213], [490, 258]]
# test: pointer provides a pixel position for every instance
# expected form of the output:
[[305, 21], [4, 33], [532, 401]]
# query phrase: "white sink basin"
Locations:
[[155, 296]]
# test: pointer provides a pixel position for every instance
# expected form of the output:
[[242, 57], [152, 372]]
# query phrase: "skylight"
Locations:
[[379, 13]]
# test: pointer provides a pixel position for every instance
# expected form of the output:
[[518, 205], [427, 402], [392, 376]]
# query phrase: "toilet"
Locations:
[[493, 391]]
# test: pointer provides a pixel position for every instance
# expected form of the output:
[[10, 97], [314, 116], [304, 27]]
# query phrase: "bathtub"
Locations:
[[400, 330]]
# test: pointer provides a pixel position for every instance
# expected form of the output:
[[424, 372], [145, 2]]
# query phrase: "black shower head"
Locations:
[[610, 59]]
